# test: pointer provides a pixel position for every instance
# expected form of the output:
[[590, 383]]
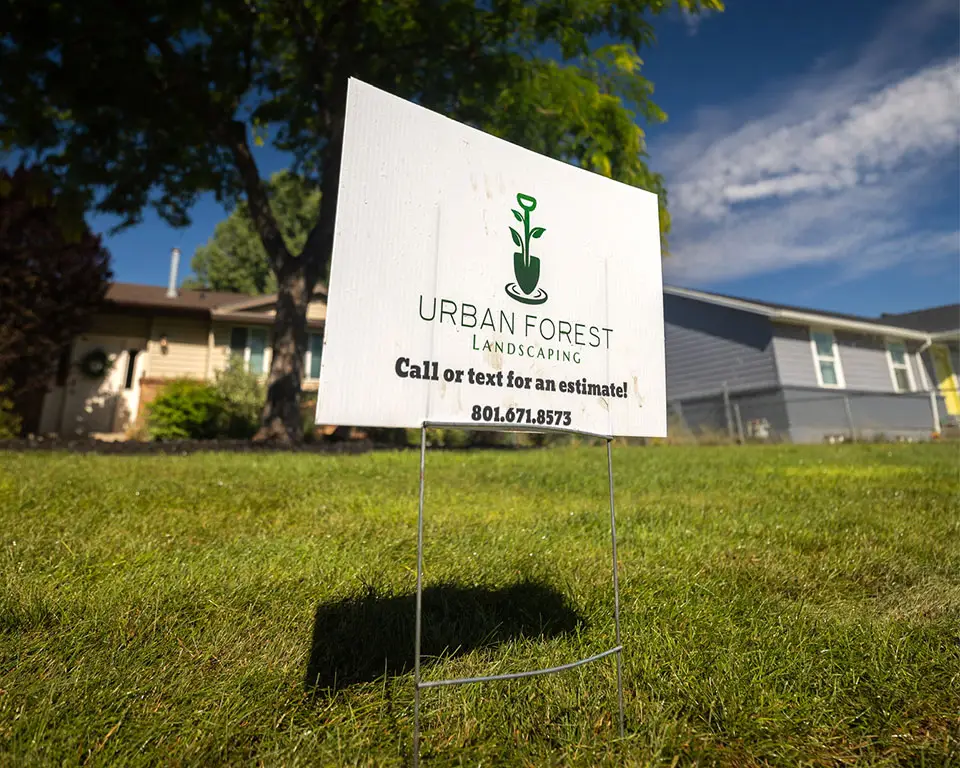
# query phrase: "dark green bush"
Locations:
[[9, 421], [451, 437], [230, 407], [187, 410]]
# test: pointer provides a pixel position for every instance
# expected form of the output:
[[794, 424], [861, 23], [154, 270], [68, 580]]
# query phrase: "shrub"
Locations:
[[440, 437], [489, 439], [9, 421], [186, 410], [242, 394], [548, 439], [394, 436]]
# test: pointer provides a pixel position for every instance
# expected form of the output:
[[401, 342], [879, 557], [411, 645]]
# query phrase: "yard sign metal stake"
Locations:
[[420, 684]]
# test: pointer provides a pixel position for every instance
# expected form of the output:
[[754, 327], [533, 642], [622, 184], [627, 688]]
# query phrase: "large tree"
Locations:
[[154, 102], [53, 276], [234, 259]]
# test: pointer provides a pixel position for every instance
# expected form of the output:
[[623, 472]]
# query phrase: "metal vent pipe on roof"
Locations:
[[174, 266]]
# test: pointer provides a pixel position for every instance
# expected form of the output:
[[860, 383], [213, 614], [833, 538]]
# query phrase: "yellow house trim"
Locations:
[[946, 378]]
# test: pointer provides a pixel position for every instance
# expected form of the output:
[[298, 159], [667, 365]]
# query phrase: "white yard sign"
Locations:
[[478, 283]]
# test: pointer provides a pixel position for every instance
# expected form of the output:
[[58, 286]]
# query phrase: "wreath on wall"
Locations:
[[95, 364]]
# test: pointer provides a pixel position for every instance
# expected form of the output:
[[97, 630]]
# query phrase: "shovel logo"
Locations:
[[526, 266]]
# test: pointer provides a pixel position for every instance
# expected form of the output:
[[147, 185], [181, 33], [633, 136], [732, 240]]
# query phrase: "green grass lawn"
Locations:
[[780, 606]]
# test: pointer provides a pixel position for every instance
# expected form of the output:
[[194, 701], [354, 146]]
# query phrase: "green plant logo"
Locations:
[[526, 266]]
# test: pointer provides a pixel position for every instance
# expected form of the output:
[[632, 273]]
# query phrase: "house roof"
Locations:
[[224, 305], [243, 302], [783, 307], [944, 318], [155, 296], [794, 315]]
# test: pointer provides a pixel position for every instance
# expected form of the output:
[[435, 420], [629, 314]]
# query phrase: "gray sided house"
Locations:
[[772, 372]]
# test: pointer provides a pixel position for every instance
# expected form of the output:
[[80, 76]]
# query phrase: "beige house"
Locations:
[[148, 335]]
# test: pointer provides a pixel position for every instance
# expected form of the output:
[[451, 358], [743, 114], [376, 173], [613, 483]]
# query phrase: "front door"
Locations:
[[946, 378], [96, 403]]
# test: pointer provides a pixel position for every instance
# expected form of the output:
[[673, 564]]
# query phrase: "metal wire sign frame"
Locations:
[[478, 285], [420, 684]]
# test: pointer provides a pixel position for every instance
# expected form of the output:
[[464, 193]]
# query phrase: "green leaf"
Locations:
[[516, 237], [537, 231], [601, 164], [517, 215], [234, 259]]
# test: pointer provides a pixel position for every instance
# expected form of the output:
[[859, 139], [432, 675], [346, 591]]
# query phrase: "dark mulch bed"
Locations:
[[184, 447]]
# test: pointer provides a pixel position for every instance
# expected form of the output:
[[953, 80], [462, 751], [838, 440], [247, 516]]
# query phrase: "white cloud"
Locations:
[[690, 19], [836, 171], [692, 22]]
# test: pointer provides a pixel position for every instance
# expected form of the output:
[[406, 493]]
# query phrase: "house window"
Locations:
[[314, 352], [250, 345], [899, 369], [826, 358]]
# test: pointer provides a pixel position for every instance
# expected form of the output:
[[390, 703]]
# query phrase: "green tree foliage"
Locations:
[[53, 276], [234, 259], [154, 102]]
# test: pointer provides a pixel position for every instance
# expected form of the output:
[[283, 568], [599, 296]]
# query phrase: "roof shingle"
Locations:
[[134, 294], [945, 318]]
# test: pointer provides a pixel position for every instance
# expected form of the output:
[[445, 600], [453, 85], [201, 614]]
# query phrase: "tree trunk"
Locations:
[[281, 420], [318, 249]]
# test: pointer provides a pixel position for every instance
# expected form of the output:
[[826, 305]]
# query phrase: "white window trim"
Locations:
[[906, 364], [837, 365], [308, 357], [267, 349], [924, 379]]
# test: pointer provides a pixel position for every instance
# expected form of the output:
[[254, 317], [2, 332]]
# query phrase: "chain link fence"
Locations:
[[804, 415]]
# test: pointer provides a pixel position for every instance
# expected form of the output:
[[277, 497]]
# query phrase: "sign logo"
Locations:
[[526, 266]]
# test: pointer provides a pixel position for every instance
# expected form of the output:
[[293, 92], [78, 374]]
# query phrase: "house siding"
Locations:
[[186, 354], [791, 350], [133, 327], [863, 359], [708, 346], [816, 414]]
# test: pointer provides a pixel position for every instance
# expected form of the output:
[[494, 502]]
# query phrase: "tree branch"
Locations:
[[257, 199]]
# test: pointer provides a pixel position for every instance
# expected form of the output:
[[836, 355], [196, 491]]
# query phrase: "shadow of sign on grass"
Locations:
[[359, 639]]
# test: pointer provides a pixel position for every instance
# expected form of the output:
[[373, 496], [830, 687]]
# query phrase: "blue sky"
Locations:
[[812, 156]]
